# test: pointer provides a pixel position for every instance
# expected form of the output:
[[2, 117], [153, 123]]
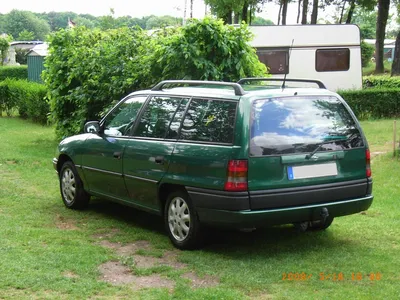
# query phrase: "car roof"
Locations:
[[227, 93]]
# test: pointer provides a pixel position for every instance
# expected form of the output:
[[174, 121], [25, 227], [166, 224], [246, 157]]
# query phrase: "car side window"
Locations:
[[209, 121], [160, 117], [121, 119]]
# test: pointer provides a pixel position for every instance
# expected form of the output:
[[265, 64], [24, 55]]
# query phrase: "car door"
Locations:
[[102, 158], [147, 154]]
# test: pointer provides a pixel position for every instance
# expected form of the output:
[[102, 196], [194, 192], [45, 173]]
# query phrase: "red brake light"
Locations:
[[368, 163], [237, 176]]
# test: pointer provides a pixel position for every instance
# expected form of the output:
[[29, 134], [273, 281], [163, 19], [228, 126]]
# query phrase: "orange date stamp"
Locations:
[[324, 276]]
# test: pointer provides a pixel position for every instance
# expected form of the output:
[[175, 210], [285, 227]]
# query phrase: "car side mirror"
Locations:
[[92, 127]]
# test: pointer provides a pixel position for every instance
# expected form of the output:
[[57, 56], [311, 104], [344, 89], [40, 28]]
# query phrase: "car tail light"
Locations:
[[368, 163], [237, 176]]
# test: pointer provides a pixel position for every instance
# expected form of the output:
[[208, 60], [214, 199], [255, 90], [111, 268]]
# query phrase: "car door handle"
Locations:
[[159, 159], [117, 155]]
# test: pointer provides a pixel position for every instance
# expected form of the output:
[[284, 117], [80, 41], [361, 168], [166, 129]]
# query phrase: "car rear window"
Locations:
[[299, 124]]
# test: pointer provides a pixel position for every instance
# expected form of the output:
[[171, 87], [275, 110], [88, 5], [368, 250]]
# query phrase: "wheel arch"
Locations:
[[164, 190]]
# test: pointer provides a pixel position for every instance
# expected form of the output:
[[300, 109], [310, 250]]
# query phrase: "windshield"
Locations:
[[299, 124]]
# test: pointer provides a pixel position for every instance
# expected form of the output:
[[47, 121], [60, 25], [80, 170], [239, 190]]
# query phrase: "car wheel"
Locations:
[[71, 187], [181, 221], [321, 224]]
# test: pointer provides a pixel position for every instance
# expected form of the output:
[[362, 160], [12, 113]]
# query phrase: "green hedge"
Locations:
[[383, 81], [373, 102], [14, 72], [28, 98]]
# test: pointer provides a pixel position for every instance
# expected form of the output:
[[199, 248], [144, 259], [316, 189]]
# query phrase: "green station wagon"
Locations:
[[238, 155]]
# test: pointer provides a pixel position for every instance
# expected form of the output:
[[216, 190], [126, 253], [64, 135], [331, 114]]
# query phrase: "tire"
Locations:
[[321, 225], [181, 221], [313, 225], [71, 187]]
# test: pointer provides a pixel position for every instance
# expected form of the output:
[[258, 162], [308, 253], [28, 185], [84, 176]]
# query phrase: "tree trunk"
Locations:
[[351, 11], [396, 60], [304, 13], [245, 11], [227, 18], [236, 18], [383, 13], [191, 9], [279, 13], [314, 14], [298, 11], [342, 12], [184, 13], [284, 11]]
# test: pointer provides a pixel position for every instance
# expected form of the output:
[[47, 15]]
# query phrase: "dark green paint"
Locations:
[[35, 68]]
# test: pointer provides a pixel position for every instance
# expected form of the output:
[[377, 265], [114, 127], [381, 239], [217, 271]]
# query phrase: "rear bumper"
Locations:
[[256, 218]]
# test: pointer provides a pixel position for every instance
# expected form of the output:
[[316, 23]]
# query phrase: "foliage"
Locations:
[[366, 53], [117, 62], [4, 45], [163, 21], [80, 86], [206, 50], [20, 56], [26, 97], [261, 21], [374, 102], [381, 82], [366, 20], [26, 35], [18, 20], [13, 72]]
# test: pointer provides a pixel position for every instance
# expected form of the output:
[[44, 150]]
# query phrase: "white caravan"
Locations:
[[329, 53]]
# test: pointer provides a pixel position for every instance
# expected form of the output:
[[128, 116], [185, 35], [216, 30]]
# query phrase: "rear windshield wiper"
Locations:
[[308, 156]]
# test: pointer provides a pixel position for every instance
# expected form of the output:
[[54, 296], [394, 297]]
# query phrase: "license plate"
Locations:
[[312, 171]]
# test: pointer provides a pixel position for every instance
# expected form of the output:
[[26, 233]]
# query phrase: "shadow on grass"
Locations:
[[271, 241]]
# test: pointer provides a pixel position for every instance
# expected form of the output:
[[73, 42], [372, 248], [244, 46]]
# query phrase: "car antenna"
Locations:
[[290, 52]]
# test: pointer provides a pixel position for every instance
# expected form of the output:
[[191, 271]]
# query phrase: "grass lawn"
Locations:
[[48, 251], [370, 69]]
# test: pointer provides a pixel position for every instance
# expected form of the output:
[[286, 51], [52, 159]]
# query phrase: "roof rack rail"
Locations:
[[319, 83], [239, 91]]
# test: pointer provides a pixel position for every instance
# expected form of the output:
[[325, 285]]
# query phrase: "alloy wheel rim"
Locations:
[[68, 186], [179, 219]]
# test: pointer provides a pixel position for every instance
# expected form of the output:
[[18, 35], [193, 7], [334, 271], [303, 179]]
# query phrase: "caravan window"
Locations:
[[277, 60], [327, 60]]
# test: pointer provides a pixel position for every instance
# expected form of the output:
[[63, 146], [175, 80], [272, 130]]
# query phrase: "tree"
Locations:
[[304, 12], [314, 13], [261, 21], [366, 21], [243, 9], [18, 21], [396, 60], [26, 35], [4, 45], [383, 14]]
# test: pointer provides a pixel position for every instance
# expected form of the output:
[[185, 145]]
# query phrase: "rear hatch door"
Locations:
[[304, 149]]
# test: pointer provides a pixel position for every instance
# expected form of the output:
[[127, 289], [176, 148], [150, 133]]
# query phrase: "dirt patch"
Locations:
[[170, 258], [117, 274], [64, 224], [106, 235], [197, 282], [69, 274], [376, 153], [128, 249]]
